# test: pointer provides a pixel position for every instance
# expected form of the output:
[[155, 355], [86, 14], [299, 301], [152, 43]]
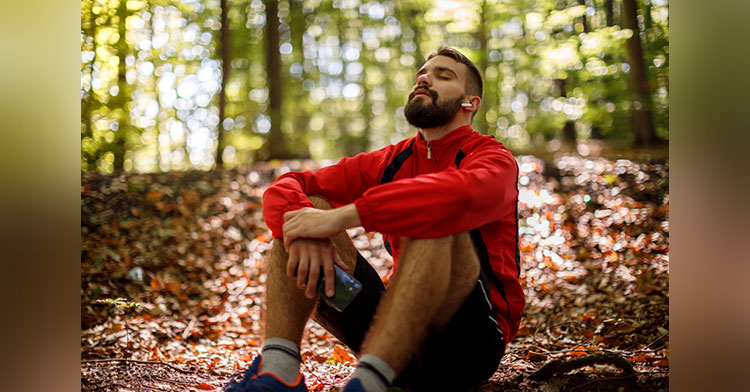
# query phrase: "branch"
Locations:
[[561, 366], [137, 361]]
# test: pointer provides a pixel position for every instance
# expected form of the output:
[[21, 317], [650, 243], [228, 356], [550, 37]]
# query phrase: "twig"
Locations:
[[650, 344], [603, 350], [313, 373], [137, 361], [561, 366], [630, 331], [186, 332], [602, 380]]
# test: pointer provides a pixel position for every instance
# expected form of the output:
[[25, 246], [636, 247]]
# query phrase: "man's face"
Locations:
[[438, 93]]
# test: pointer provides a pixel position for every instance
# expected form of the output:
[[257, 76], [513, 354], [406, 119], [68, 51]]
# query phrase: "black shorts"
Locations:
[[462, 355]]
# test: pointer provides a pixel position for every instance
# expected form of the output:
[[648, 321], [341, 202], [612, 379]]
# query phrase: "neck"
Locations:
[[430, 134]]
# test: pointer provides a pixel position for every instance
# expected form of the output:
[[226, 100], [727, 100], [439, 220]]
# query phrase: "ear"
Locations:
[[475, 102]]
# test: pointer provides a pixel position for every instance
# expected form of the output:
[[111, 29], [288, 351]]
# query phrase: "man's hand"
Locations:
[[307, 235], [316, 223], [306, 257]]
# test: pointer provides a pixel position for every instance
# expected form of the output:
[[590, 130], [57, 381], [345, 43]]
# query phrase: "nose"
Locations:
[[423, 80]]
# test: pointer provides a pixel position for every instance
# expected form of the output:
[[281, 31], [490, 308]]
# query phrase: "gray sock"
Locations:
[[281, 358], [375, 375]]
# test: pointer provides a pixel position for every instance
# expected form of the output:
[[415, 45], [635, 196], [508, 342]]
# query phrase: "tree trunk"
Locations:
[[297, 29], [225, 50], [155, 87], [569, 129], [412, 19], [120, 102], [609, 9], [643, 124], [584, 20], [480, 118], [88, 100], [275, 141]]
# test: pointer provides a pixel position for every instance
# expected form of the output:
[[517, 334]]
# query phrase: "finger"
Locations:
[[340, 262], [290, 214], [329, 273], [303, 268], [287, 231], [313, 274], [291, 265]]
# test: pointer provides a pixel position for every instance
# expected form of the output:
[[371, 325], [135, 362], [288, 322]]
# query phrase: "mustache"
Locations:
[[427, 90]]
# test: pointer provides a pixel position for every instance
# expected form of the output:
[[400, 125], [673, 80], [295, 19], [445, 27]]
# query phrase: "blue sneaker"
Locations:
[[264, 382], [354, 385]]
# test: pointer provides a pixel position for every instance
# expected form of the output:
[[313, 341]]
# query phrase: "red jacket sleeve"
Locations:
[[438, 204], [341, 184]]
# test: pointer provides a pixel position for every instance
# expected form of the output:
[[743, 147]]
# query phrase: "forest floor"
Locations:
[[172, 273]]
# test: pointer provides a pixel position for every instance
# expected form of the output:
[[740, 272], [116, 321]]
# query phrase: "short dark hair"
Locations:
[[474, 84]]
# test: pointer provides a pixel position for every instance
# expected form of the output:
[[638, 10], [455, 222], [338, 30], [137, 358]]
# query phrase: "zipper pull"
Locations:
[[429, 151]]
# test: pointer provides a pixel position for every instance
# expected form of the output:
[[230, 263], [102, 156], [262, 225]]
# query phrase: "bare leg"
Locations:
[[287, 308], [433, 279]]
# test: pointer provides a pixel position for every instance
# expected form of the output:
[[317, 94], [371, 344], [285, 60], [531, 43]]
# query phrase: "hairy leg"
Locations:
[[464, 274], [433, 279], [287, 308]]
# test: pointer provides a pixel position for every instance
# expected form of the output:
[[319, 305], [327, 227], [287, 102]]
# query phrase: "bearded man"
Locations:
[[445, 201]]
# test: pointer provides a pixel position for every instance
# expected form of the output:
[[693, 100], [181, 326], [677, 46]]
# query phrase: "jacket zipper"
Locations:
[[429, 151]]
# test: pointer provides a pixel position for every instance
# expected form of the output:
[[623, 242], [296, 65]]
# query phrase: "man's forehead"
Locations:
[[444, 62]]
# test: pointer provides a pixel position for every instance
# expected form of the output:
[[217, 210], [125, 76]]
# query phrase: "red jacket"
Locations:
[[467, 185]]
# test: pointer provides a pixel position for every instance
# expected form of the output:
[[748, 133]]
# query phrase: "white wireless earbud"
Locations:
[[466, 105]]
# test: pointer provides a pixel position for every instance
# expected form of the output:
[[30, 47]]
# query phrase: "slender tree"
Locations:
[[275, 143], [609, 10], [480, 119], [584, 20], [643, 124], [88, 99], [297, 29], [118, 146], [225, 47], [569, 129]]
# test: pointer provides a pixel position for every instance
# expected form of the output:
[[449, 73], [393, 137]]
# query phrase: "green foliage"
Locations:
[[119, 303], [151, 72]]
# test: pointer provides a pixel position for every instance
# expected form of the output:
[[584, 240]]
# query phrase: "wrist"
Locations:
[[348, 216]]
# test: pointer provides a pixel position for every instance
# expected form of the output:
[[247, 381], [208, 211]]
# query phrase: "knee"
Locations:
[[456, 248], [320, 202], [426, 247], [408, 242]]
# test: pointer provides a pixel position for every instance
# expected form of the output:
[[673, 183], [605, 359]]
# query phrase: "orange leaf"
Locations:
[[340, 355], [205, 386], [638, 358], [578, 351], [154, 196], [661, 363]]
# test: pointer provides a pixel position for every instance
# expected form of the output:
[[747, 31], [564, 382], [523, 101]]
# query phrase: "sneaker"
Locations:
[[264, 382], [354, 385]]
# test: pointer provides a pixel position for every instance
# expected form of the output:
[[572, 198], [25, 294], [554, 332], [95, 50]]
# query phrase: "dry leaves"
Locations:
[[188, 248]]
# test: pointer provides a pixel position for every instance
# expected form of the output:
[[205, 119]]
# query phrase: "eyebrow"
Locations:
[[439, 69]]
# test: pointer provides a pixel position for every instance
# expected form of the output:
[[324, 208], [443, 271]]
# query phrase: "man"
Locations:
[[445, 201]]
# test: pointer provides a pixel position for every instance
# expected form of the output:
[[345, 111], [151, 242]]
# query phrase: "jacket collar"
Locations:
[[450, 138]]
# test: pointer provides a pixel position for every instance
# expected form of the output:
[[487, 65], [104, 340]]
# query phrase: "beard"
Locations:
[[423, 113]]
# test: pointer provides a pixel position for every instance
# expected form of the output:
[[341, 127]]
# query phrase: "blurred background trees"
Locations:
[[183, 84]]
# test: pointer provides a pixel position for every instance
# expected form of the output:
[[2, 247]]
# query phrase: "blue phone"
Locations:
[[346, 288]]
